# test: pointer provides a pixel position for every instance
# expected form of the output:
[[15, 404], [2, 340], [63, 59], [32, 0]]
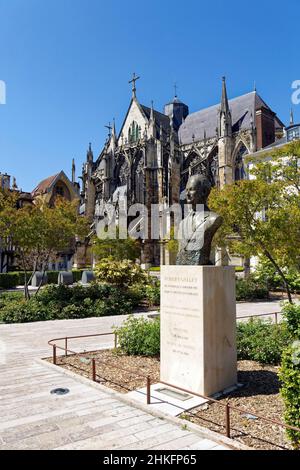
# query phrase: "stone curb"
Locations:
[[195, 428]]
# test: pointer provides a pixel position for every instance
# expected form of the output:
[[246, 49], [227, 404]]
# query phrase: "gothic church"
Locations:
[[151, 158]]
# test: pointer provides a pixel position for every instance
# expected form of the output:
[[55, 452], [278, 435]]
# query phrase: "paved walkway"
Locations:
[[90, 416]]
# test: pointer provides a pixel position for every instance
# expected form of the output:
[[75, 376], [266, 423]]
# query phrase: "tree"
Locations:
[[117, 249], [262, 215], [38, 232]]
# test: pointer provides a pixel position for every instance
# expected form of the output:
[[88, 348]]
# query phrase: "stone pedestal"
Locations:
[[198, 328]]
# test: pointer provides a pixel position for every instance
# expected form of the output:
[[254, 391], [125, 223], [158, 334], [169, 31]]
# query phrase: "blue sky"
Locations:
[[66, 65]]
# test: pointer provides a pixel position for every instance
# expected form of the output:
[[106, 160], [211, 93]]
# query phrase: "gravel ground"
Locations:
[[259, 394]]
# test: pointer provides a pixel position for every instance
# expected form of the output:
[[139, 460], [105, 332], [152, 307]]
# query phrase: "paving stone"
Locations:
[[87, 417]]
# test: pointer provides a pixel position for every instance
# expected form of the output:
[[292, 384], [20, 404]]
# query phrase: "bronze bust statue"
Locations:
[[197, 230]]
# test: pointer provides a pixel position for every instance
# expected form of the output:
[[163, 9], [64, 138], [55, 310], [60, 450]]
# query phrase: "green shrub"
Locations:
[[9, 280], [153, 293], [22, 311], [266, 273], [58, 302], [119, 305], [262, 341], [52, 277], [6, 297], [121, 273], [137, 293], [291, 313], [150, 292], [139, 336], [250, 289], [290, 386]]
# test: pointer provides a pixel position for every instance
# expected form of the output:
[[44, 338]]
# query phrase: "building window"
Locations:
[[239, 171], [133, 132], [59, 191], [293, 134]]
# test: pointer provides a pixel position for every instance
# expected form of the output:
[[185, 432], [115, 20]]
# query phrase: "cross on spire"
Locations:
[[175, 88], [133, 80]]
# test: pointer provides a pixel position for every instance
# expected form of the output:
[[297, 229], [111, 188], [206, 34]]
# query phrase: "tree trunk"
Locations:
[[44, 272], [26, 281], [281, 274]]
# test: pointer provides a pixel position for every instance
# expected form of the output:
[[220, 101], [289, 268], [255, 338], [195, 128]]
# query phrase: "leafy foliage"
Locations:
[[266, 273], [291, 313], [121, 273], [38, 232], [251, 289], [139, 336], [262, 215], [118, 249], [290, 386], [58, 302], [261, 341]]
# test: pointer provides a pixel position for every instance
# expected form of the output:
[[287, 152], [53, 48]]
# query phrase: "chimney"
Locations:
[[265, 127]]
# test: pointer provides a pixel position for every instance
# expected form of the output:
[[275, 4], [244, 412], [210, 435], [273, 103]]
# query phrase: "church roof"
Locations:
[[44, 185], [160, 119], [207, 119]]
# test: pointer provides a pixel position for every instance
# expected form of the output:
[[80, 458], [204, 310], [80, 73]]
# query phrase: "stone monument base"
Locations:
[[198, 328]]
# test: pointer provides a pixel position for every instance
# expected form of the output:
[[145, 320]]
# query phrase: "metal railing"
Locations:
[[227, 407], [261, 315], [93, 360]]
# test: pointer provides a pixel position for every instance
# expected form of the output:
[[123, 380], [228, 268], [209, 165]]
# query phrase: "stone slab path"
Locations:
[[90, 416]]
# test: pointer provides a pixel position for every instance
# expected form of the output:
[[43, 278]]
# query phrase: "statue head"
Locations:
[[197, 190]]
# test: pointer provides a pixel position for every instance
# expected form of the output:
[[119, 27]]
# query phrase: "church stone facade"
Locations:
[[150, 160]]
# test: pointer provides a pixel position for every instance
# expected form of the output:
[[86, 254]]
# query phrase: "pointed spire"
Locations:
[[225, 123], [73, 171], [175, 89], [145, 133], [114, 128], [254, 87], [291, 117], [224, 101], [14, 184], [152, 112], [152, 129], [89, 155]]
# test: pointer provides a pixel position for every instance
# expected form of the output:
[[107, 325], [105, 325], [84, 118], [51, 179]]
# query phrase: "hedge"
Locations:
[[13, 279]]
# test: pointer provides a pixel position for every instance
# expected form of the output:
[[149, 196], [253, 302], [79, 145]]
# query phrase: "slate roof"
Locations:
[[207, 119], [159, 118]]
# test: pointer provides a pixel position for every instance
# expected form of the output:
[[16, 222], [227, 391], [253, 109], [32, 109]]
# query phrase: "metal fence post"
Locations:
[[54, 354], [227, 417], [148, 390], [94, 369]]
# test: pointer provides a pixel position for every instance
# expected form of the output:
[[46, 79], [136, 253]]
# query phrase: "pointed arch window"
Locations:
[[239, 169], [133, 132]]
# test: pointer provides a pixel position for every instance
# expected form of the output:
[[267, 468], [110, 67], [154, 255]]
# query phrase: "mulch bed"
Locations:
[[259, 394]]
